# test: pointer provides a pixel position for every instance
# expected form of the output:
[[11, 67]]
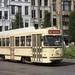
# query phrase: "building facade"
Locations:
[[8, 9], [56, 8], [37, 11], [33, 12]]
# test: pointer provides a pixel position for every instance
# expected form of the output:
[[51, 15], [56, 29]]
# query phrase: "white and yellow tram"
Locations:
[[30, 45]]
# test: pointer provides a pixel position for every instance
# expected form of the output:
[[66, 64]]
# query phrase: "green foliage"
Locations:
[[46, 22], [18, 21], [72, 26], [69, 52]]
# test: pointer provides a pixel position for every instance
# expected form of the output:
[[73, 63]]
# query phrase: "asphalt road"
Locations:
[[67, 67]]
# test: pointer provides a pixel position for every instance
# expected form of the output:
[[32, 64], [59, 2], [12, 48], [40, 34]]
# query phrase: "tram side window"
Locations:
[[28, 40], [0, 41], [3, 41], [23, 41], [7, 42], [17, 41]]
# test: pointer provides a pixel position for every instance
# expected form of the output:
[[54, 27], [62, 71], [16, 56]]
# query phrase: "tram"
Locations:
[[42, 45]]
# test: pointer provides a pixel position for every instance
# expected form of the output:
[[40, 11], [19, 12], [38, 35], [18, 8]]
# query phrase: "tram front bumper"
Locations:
[[56, 58]]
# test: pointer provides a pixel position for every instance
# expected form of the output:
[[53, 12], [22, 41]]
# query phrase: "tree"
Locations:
[[18, 21], [72, 26], [46, 22]]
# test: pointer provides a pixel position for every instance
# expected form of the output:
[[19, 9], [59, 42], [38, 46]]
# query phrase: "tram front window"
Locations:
[[52, 41]]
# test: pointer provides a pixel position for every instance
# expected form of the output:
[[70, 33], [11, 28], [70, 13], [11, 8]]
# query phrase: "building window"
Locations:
[[54, 20], [5, 2], [26, 0], [6, 14], [33, 13], [0, 2], [40, 13], [66, 5], [26, 23], [12, 0], [40, 2], [32, 2], [26, 10], [45, 2], [65, 19], [0, 14], [54, 5], [13, 9], [20, 8], [6, 27], [19, 0]]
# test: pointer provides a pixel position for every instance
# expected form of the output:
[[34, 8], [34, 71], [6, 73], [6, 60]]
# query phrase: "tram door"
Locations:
[[12, 48], [36, 48]]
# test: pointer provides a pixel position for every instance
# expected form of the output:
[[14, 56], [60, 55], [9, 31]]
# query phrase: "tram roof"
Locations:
[[20, 30], [23, 30]]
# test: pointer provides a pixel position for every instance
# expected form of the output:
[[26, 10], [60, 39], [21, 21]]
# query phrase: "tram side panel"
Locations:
[[5, 52], [22, 52]]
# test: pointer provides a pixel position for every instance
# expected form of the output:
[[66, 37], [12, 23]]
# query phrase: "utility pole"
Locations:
[[9, 15], [39, 24], [61, 25], [3, 27], [33, 12], [51, 10]]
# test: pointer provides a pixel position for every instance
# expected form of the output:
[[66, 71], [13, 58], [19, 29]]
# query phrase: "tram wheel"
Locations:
[[2, 58], [22, 59], [27, 60]]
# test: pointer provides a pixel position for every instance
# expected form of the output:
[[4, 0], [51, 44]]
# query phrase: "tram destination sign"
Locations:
[[54, 31]]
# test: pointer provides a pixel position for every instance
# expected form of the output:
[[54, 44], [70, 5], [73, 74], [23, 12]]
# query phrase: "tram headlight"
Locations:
[[57, 52]]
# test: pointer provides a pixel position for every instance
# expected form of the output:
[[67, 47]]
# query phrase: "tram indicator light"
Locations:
[[54, 31]]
